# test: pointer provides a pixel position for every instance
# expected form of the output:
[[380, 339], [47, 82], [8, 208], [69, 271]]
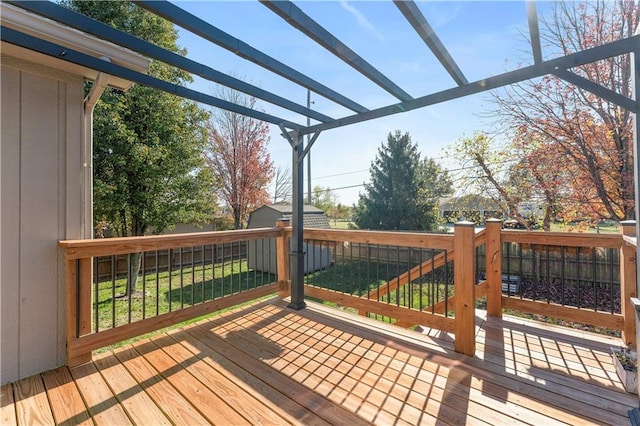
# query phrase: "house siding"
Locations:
[[40, 204]]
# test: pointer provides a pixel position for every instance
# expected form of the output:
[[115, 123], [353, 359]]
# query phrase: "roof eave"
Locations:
[[46, 29]]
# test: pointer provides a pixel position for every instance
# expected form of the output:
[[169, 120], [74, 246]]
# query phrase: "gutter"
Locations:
[[98, 88]]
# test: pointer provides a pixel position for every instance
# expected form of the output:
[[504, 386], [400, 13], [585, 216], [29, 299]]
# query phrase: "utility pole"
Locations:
[[309, 153]]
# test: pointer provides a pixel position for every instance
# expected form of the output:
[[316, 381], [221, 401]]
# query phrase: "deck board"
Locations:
[[32, 404], [138, 405], [7, 406], [267, 364], [65, 399], [101, 403]]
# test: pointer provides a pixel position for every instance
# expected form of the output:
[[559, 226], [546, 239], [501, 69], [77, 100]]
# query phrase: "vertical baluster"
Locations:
[[114, 260], [170, 264], [96, 296], [144, 286], [203, 255], [193, 275], [157, 284], [131, 287], [563, 274], [594, 278]]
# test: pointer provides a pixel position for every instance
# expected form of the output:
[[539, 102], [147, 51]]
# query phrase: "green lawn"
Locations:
[[340, 224], [358, 277], [163, 292]]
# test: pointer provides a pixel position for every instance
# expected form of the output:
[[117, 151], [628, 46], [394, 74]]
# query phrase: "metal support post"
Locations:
[[297, 253], [309, 200], [635, 93]]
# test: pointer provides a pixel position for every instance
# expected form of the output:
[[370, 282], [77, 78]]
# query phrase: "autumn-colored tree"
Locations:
[[237, 153], [517, 175], [591, 138]]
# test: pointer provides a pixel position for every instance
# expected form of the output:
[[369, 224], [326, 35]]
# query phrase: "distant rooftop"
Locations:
[[288, 208], [313, 217]]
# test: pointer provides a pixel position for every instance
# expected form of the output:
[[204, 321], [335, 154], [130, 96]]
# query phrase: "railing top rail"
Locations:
[[563, 239], [632, 241], [78, 249], [406, 239]]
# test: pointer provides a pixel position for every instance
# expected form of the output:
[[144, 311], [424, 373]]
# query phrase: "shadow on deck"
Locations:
[[268, 364]]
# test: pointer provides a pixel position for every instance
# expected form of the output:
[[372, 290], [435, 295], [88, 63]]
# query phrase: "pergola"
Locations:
[[295, 132]]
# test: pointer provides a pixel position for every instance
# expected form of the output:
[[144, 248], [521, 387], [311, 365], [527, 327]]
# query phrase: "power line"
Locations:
[[341, 174], [363, 184]]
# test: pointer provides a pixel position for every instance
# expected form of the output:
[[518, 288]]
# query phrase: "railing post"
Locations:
[[493, 261], [628, 282], [282, 259], [464, 287], [78, 306]]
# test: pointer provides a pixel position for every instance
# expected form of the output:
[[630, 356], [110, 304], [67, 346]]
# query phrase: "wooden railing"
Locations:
[[414, 279], [405, 258], [619, 291], [199, 288], [615, 286]]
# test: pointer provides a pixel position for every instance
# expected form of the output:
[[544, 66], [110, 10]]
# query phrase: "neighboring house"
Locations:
[[262, 253], [45, 184]]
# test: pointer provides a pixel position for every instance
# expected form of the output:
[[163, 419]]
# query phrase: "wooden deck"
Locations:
[[270, 365]]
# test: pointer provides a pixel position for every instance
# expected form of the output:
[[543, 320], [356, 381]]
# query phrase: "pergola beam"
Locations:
[[597, 89], [608, 50], [113, 35], [55, 50], [207, 31], [534, 31], [420, 24], [294, 16]]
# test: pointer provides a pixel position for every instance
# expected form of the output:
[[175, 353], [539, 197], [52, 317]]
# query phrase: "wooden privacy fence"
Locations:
[[106, 266]]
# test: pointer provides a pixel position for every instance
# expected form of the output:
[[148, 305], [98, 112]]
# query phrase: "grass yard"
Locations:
[[359, 277], [340, 224], [168, 291]]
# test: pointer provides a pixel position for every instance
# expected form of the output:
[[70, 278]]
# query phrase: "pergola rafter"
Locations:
[[534, 31], [292, 131], [52, 49], [106, 32], [419, 23], [293, 15], [207, 31]]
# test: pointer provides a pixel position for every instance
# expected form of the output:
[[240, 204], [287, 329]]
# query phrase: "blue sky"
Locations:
[[483, 37]]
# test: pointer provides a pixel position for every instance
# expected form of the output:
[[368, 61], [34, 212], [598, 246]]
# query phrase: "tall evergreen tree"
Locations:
[[149, 171], [404, 189]]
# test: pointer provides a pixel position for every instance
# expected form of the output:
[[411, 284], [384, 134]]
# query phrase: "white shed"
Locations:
[[261, 255], [45, 184]]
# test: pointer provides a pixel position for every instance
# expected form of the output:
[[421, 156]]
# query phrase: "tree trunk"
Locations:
[[133, 263], [134, 260]]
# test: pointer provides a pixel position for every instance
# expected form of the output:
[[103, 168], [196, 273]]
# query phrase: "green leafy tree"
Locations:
[[324, 199], [404, 189], [149, 169]]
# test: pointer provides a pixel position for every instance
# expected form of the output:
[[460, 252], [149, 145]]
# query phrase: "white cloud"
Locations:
[[363, 22], [440, 15]]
